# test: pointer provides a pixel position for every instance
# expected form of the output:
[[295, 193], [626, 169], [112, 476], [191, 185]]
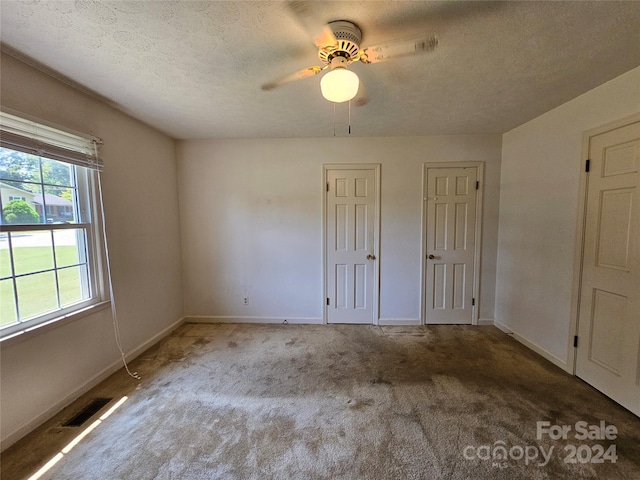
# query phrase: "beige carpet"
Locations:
[[337, 402]]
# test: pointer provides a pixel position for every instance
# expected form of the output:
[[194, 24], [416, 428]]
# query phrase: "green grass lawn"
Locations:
[[37, 293]]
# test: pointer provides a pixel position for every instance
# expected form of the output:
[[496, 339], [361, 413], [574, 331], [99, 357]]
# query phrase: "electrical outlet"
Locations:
[[245, 301]]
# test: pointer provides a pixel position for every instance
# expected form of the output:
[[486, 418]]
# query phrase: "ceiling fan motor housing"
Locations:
[[348, 36]]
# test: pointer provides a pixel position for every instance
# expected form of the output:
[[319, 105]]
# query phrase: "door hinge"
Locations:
[[477, 185], [473, 301], [327, 186], [327, 301], [587, 165], [575, 341]]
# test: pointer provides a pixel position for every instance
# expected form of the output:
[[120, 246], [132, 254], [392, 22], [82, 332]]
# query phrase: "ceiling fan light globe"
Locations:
[[339, 85]]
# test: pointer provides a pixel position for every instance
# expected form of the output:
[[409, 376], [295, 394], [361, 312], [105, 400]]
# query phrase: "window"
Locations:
[[50, 240]]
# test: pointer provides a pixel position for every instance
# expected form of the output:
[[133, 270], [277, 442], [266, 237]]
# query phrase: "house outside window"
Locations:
[[50, 233]]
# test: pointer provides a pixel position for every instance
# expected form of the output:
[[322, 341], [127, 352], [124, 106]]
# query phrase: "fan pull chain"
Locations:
[[349, 117], [334, 119]]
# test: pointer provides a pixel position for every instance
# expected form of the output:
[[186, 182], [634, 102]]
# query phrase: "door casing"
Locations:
[[479, 166], [376, 167]]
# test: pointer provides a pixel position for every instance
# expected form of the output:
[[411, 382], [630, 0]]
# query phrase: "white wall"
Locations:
[[251, 219], [41, 372], [541, 165]]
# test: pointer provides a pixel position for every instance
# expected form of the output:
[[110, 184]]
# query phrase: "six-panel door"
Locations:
[[608, 355], [451, 227], [350, 230]]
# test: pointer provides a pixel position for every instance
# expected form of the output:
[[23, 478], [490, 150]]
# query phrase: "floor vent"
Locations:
[[87, 412]]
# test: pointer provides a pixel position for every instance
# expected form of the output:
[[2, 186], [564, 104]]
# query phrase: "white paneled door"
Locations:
[[450, 244], [608, 340], [351, 229]]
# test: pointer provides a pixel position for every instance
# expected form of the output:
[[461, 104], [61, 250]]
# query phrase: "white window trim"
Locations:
[[89, 205]]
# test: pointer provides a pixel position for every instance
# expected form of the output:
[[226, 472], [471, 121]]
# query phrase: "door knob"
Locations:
[[431, 257], [371, 257]]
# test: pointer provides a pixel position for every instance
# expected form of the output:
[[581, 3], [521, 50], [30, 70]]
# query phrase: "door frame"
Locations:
[[479, 166], [580, 232], [376, 167]]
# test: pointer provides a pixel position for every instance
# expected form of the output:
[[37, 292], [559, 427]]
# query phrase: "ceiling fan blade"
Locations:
[[320, 32], [392, 50], [438, 15], [292, 77]]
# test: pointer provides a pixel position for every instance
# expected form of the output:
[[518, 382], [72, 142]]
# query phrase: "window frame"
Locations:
[[87, 202]]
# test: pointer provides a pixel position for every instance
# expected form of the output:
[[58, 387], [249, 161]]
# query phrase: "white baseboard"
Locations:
[[291, 320], [153, 340], [557, 361], [272, 320], [34, 423], [502, 327], [399, 322], [486, 321]]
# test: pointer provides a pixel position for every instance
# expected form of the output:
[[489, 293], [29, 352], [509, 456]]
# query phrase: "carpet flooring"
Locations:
[[339, 402]]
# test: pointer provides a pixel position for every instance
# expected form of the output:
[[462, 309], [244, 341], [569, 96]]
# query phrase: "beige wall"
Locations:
[[42, 371], [541, 165], [251, 217]]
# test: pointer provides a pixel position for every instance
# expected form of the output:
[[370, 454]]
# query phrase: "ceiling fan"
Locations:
[[338, 45]]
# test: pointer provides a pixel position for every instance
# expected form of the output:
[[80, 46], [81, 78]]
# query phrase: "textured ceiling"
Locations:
[[194, 69]]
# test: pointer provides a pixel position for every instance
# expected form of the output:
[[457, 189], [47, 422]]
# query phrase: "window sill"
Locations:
[[30, 332]]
